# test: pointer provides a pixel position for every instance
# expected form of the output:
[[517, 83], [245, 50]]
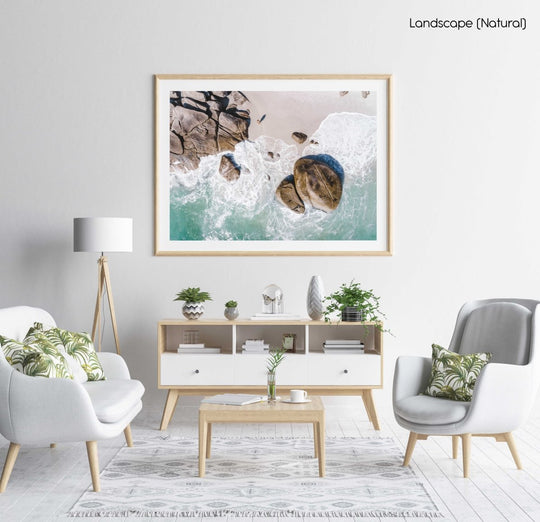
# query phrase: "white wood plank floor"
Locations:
[[45, 482]]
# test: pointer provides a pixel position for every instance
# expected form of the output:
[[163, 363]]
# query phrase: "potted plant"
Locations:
[[231, 310], [274, 360], [354, 304], [193, 302]]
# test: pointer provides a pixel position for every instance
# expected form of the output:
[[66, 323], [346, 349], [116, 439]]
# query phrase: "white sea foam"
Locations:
[[247, 208]]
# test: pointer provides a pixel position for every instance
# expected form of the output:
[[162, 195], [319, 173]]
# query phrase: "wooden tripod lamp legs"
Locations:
[[104, 280]]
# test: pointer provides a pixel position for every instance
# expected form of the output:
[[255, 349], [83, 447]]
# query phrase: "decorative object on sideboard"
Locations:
[[193, 301], [315, 180], [274, 360], [354, 304], [315, 295], [231, 310], [288, 342], [103, 234], [272, 300]]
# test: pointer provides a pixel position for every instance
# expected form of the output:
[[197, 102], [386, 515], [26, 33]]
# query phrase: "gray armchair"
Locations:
[[38, 410], [505, 390]]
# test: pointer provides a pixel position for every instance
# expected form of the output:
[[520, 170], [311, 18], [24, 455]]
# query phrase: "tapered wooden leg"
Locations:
[[93, 460], [52, 445], [203, 429], [367, 397], [513, 449], [11, 457], [455, 446], [321, 447], [208, 440], [127, 434], [316, 440], [97, 311], [410, 448], [170, 405], [466, 449]]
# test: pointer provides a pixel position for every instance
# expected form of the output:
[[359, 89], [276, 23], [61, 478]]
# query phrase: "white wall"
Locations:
[[76, 139]]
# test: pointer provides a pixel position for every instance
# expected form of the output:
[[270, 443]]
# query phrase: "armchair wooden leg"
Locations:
[[413, 437], [127, 434], [455, 446], [512, 446], [91, 448], [11, 457], [466, 449], [52, 445]]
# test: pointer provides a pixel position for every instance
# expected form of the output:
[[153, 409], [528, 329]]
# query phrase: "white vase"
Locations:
[[315, 307]]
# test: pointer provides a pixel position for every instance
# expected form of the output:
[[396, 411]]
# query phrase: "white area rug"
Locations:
[[258, 477]]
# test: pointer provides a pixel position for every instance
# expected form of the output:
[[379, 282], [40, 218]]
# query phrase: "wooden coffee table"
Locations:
[[310, 412]]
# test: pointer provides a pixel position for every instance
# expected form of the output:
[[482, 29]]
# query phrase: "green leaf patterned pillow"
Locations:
[[77, 345], [453, 376], [38, 358]]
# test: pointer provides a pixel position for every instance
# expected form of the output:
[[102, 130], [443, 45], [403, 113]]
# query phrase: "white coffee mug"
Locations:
[[298, 395]]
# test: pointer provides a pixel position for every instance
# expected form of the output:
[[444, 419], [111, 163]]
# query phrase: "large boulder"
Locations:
[[318, 179], [228, 167], [286, 194]]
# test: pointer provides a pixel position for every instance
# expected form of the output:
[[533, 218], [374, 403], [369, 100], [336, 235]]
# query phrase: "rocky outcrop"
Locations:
[[286, 194], [317, 180], [228, 167], [204, 123]]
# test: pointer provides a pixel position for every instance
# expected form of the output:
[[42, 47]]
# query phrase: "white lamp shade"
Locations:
[[102, 234]]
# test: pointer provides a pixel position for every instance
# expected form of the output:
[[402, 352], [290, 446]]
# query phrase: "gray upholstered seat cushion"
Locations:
[[500, 328], [113, 398], [422, 409]]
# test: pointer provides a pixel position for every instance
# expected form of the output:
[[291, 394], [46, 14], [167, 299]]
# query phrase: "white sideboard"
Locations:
[[232, 371]]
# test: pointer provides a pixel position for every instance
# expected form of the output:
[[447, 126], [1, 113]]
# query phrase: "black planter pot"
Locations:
[[351, 314]]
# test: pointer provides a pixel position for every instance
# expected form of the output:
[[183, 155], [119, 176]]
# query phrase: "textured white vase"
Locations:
[[192, 311], [315, 294]]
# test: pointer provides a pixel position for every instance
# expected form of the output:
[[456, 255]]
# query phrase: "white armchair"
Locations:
[[505, 390], [37, 410]]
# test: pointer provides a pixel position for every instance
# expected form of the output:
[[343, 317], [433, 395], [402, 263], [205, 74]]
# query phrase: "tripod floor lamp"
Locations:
[[103, 235]]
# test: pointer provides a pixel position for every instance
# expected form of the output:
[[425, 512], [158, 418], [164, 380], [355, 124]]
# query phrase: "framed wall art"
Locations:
[[273, 165]]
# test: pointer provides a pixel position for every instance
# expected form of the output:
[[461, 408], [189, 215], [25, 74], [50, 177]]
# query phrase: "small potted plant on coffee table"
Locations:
[[231, 310], [193, 301], [353, 304]]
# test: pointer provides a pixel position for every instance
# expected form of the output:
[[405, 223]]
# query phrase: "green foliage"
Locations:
[[274, 360], [192, 295], [453, 376], [231, 304], [352, 294]]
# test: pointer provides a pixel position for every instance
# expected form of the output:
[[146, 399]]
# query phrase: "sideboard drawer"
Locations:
[[340, 370], [196, 370], [251, 370]]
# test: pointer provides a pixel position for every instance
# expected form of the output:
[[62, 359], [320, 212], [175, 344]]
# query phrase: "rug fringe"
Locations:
[[271, 513]]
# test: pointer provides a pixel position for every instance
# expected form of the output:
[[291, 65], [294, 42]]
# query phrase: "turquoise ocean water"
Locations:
[[204, 206]]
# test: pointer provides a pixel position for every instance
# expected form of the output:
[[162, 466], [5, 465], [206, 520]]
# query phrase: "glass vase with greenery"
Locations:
[[275, 358]]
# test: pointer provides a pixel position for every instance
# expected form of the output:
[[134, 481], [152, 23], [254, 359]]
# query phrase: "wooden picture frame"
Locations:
[[273, 165], [288, 342]]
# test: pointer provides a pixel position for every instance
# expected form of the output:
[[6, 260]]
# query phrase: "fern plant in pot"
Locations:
[[352, 303], [193, 301]]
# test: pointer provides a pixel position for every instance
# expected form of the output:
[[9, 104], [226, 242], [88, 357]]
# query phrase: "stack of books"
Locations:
[[196, 348], [343, 346], [255, 346]]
